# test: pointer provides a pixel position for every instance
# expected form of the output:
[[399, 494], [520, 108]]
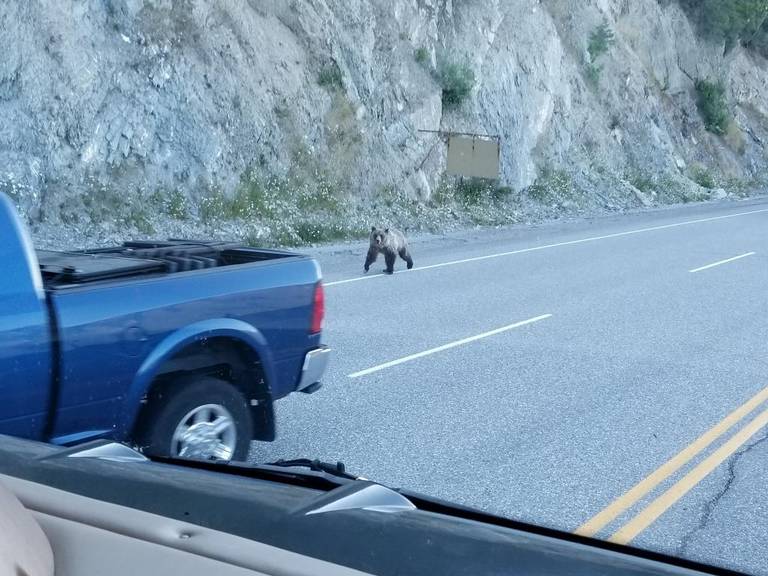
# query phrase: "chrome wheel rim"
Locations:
[[207, 432]]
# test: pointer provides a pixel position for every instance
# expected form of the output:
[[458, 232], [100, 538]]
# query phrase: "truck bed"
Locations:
[[144, 258]]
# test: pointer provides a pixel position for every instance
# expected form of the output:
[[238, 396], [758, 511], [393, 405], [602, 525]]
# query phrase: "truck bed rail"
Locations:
[[146, 257]]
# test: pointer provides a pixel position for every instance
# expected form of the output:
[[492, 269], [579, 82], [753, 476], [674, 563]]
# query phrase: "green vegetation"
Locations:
[[321, 196], [593, 74], [173, 203], [257, 198], [743, 187], [330, 77], [176, 205], [759, 42], [212, 205], [10, 189], [472, 190], [341, 125], [394, 205], [474, 201], [457, 81], [314, 233], [703, 177], [600, 41], [251, 200], [670, 190], [139, 219], [303, 207], [421, 55], [641, 180], [552, 186], [735, 138], [478, 190], [731, 21], [713, 106], [102, 204]]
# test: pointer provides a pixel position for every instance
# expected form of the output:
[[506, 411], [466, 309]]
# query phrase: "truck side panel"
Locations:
[[108, 330], [26, 367], [177, 341]]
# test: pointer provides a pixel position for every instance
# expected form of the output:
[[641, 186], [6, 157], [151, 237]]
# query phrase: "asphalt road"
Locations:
[[633, 350]]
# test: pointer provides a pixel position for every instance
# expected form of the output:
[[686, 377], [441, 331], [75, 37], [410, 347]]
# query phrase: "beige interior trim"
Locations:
[[82, 550], [170, 533], [24, 548]]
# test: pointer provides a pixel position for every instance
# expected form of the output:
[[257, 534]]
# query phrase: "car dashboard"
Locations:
[[104, 509]]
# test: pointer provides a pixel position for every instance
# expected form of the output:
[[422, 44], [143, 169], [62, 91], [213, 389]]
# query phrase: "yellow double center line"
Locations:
[[656, 508]]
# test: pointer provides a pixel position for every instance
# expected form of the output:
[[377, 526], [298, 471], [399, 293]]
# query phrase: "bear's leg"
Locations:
[[405, 255], [370, 259], [390, 258]]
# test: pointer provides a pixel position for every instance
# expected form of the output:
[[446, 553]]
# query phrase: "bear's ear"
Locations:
[[373, 228], [386, 230]]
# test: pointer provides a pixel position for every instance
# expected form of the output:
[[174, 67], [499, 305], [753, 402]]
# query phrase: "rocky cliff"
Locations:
[[120, 117]]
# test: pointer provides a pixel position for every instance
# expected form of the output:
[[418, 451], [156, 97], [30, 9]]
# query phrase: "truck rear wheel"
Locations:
[[200, 418]]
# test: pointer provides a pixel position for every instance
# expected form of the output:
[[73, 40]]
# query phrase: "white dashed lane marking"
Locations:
[[447, 346], [720, 262]]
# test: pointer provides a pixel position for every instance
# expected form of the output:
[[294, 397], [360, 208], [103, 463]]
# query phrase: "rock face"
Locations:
[[188, 94]]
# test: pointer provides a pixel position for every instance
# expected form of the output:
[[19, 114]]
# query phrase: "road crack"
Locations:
[[712, 503]]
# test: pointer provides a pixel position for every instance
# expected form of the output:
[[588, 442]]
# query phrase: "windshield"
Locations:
[[511, 254]]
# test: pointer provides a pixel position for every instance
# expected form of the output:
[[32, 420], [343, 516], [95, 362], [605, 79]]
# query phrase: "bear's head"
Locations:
[[378, 236]]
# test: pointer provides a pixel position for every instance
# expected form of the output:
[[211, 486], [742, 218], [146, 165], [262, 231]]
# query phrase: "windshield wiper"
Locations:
[[337, 469], [318, 474]]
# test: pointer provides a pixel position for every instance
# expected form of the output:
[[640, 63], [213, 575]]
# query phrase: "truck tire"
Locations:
[[201, 418]]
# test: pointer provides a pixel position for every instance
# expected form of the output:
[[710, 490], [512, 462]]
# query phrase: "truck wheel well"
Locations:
[[225, 358]]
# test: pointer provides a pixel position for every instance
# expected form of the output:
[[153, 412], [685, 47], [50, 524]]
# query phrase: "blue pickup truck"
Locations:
[[178, 347]]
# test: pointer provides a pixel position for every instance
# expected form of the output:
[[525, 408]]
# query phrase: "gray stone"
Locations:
[[195, 91], [643, 198]]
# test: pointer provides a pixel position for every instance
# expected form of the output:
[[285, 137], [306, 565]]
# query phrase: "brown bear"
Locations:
[[392, 243]]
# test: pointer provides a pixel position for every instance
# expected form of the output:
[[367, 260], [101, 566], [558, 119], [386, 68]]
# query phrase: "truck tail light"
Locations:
[[318, 310]]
